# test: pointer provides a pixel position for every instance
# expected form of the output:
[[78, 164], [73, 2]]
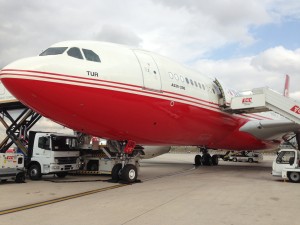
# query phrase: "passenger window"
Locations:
[[75, 52], [176, 76], [54, 51], [181, 78], [192, 82], [90, 55], [203, 86], [199, 85], [196, 84], [171, 75], [187, 80]]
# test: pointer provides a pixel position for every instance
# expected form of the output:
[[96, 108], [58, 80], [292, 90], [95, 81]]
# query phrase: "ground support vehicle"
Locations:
[[51, 153], [103, 161], [12, 167], [287, 165], [245, 156]]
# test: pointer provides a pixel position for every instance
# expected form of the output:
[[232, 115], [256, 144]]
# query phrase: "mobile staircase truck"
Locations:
[[12, 167], [51, 153], [286, 165]]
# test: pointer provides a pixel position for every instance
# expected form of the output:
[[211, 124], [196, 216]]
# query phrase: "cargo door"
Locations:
[[150, 71]]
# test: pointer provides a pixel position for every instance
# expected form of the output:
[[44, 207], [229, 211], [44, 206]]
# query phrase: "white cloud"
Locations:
[[266, 69]]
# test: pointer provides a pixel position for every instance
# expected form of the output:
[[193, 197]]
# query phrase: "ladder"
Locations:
[[265, 99]]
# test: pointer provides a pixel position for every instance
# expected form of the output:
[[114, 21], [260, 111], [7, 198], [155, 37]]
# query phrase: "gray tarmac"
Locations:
[[171, 191]]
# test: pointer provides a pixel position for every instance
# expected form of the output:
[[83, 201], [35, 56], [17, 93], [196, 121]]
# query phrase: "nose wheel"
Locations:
[[126, 169]]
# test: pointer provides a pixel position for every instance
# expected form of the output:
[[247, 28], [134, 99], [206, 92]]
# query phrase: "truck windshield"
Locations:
[[60, 143], [284, 157]]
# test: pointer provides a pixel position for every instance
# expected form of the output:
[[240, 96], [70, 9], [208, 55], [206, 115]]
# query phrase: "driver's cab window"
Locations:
[[284, 157], [44, 143]]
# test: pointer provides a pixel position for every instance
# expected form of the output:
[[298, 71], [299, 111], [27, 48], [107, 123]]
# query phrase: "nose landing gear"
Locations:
[[126, 168]]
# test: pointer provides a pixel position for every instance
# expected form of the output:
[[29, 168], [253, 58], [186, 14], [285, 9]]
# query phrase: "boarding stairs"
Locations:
[[264, 99]]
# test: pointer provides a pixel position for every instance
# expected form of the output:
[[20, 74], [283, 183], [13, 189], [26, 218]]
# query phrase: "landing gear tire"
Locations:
[[215, 160], [34, 172], [115, 172], [129, 173], [62, 175], [294, 177], [198, 160], [20, 177], [206, 159]]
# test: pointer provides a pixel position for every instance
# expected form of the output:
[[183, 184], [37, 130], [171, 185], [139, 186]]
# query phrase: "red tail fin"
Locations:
[[286, 86]]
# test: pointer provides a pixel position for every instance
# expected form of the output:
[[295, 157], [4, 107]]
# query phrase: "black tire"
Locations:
[[34, 172], [294, 177], [20, 177], [198, 160], [250, 160], [129, 173], [215, 160], [4, 181], [234, 159], [115, 172], [206, 159], [62, 174]]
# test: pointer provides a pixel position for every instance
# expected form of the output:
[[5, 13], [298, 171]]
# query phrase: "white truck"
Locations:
[[12, 167], [245, 156], [51, 153], [286, 165]]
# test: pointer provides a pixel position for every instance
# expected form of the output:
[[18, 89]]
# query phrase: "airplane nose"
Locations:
[[17, 76]]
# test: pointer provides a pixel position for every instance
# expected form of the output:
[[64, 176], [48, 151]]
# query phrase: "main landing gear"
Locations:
[[127, 165], [206, 159]]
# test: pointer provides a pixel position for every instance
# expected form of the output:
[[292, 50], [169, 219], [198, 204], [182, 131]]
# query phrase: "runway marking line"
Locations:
[[56, 200]]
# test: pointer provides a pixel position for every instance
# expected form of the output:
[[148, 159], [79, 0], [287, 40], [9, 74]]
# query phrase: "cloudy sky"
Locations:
[[246, 44]]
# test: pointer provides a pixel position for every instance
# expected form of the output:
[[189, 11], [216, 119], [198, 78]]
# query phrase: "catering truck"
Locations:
[[286, 165], [12, 167], [51, 153]]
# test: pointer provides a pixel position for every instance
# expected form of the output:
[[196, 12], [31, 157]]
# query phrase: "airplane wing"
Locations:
[[270, 129]]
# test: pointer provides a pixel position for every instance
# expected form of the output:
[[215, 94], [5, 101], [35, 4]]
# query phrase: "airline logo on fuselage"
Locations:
[[247, 101], [295, 109]]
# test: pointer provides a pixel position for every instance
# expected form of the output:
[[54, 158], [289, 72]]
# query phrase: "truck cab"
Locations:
[[286, 165], [51, 153]]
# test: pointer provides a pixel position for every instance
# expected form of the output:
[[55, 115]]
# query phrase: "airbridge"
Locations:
[[265, 99]]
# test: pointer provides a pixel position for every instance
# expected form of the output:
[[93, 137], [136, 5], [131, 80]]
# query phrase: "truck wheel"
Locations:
[[61, 175], [115, 172], [234, 159], [198, 160], [20, 177], [294, 177], [129, 173], [34, 172], [250, 160], [215, 160]]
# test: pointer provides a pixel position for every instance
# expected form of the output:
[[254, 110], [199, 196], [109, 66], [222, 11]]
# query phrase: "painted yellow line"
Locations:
[[65, 198]]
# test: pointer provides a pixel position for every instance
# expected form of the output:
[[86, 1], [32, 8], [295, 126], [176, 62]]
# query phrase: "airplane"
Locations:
[[132, 96]]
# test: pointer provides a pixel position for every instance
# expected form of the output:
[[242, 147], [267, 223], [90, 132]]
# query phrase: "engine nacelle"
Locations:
[[148, 152]]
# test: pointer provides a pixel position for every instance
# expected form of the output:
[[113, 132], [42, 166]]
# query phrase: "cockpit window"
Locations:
[[54, 51], [75, 52], [90, 55]]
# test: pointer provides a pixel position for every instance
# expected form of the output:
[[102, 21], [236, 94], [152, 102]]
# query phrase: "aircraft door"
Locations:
[[150, 71], [225, 94]]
